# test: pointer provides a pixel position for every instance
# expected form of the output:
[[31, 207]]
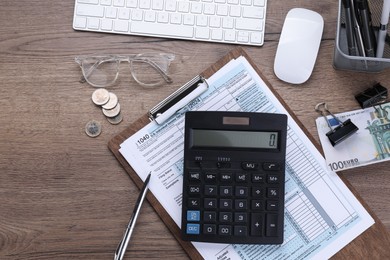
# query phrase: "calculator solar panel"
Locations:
[[233, 186]]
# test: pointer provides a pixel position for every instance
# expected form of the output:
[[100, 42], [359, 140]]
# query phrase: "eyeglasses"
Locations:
[[148, 69]]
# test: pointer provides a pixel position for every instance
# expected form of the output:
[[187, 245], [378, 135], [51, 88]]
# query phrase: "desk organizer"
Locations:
[[342, 60]]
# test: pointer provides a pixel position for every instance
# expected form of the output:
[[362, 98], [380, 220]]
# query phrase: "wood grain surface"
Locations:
[[64, 195]]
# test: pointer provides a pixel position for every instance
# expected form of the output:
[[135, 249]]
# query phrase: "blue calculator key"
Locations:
[[193, 229], [193, 215]]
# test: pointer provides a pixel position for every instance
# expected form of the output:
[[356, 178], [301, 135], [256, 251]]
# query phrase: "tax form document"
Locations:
[[321, 214]]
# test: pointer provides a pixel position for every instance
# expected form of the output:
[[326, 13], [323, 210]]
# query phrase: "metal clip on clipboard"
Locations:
[[178, 99], [342, 131]]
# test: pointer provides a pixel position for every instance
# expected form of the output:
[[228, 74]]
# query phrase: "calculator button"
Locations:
[[240, 231], [272, 205], [194, 176], [257, 192], [241, 191], [225, 217], [271, 166], [257, 177], [271, 225], [210, 216], [209, 229], [226, 177], [256, 224], [250, 165], [210, 203], [225, 204], [226, 191], [240, 204], [225, 230], [210, 190], [210, 177], [257, 205], [194, 203], [193, 229], [272, 178], [272, 192], [241, 177], [193, 215], [194, 189], [240, 217]]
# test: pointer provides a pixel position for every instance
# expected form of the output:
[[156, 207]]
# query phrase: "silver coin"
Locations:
[[112, 102], [93, 128], [112, 112], [100, 96], [116, 119]]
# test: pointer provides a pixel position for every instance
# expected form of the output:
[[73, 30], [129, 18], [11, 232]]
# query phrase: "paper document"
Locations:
[[370, 144], [321, 214]]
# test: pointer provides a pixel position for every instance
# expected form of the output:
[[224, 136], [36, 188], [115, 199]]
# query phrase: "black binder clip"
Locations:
[[342, 131], [372, 96]]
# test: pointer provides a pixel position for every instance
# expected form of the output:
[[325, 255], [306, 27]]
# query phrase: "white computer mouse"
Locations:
[[298, 45]]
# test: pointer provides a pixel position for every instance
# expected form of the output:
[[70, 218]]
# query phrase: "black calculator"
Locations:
[[233, 179]]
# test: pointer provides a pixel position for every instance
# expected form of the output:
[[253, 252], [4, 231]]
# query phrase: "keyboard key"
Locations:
[[240, 231], [90, 10], [271, 225], [121, 26], [257, 192], [161, 29], [210, 203], [241, 192], [194, 203], [272, 192], [80, 22], [250, 165], [88, 1], [225, 204], [241, 177], [225, 217], [193, 229], [257, 205], [93, 23], [210, 216], [210, 190], [258, 178], [270, 166], [225, 230], [210, 177], [194, 189], [226, 191], [240, 217], [241, 204], [193, 215], [256, 224], [194, 176], [209, 229], [272, 178], [272, 205], [226, 177], [202, 33], [253, 12], [249, 24]]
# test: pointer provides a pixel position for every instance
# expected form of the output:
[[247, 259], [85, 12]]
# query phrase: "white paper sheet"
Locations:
[[321, 214]]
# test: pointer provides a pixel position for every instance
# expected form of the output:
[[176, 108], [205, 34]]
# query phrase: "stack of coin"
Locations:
[[108, 101]]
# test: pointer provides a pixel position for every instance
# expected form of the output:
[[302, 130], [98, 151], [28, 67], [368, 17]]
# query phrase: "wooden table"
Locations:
[[63, 194]]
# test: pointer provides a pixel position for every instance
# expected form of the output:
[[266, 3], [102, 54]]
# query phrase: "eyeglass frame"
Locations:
[[100, 59]]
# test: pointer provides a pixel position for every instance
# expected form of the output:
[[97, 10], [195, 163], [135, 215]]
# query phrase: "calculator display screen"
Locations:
[[234, 139]]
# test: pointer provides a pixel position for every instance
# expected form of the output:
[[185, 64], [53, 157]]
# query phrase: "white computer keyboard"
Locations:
[[229, 21]]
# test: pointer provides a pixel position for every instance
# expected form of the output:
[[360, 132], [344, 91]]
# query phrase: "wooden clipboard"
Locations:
[[374, 243]]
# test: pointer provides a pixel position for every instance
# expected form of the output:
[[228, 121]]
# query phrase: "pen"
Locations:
[[365, 24], [349, 28], [356, 27], [383, 28], [120, 251]]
